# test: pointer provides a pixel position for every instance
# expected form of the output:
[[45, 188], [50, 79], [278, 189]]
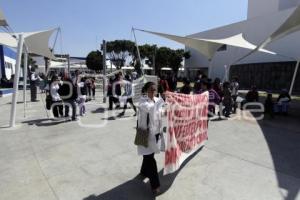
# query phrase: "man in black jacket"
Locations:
[[68, 93]]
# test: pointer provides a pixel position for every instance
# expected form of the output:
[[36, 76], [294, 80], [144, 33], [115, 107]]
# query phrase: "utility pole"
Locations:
[[68, 57], [104, 70], [12, 122]]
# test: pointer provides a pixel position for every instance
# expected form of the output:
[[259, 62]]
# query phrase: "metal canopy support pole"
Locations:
[[68, 57], [294, 77], [104, 70], [209, 68], [138, 51], [12, 122], [154, 60], [25, 79]]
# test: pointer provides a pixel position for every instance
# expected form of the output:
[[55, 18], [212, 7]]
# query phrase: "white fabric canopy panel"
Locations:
[[36, 42], [208, 47], [291, 25], [8, 40]]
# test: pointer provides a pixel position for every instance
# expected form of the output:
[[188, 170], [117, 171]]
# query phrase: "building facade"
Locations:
[[264, 17]]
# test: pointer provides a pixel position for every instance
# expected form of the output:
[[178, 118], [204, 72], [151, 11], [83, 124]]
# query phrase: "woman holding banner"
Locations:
[[149, 118]]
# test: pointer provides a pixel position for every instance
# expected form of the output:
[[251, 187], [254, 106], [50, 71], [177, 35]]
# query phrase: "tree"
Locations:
[[176, 59], [119, 51], [94, 61], [166, 57], [148, 52], [162, 57]]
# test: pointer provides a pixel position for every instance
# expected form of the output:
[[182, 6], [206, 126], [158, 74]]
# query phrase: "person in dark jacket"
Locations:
[[68, 93], [269, 105], [186, 89]]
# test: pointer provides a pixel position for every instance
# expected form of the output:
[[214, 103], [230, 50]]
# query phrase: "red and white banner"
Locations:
[[187, 127]]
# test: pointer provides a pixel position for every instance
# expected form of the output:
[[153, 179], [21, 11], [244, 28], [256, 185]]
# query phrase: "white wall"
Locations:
[[263, 7], [255, 30]]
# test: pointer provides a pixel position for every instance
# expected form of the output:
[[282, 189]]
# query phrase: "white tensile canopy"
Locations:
[[36, 42], [8, 40], [291, 25], [33, 42], [208, 47]]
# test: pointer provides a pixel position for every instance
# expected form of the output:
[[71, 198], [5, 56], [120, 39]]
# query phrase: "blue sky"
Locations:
[[85, 23]]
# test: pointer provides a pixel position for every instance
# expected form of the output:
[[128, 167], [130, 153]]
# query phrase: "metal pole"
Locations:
[[154, 60], [209, 68], [104, 70], [228, 72], [110, 66], [294, 77], [138, 51], [12, 122], [46, 65], [25, 79], [68, 56]]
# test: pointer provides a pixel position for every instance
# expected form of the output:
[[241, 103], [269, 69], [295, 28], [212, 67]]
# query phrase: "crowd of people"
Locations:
[[65, 93]]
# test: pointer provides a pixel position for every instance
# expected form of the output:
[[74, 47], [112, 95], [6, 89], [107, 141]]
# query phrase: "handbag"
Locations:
[[142, 135]]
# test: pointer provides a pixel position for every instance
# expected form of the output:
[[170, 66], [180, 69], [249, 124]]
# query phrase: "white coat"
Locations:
[[146, 105]]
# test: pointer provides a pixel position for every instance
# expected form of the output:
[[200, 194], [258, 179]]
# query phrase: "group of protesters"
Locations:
[[65, 93], [120, 89], [219, 93]]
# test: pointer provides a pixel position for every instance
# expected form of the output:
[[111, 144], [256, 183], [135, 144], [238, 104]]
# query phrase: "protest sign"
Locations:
[[187, 127]]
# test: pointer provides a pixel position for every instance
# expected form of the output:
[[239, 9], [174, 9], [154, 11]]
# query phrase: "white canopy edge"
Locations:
[[8, 40], [291, 25], [36, 42], [208, 47]]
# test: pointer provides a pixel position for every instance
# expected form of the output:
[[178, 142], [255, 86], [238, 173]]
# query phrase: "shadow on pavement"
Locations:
[[45, 122], [282, 135], [136, 189], [98, 110]]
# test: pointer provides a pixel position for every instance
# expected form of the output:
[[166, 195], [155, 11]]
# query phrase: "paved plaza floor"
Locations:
[[95, 159]]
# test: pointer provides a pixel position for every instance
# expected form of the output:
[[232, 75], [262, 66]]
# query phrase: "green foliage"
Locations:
[[118, 51], [166, 57], [30, 62], [94, 61]]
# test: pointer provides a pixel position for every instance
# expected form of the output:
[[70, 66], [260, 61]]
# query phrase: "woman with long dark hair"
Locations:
[[149, 117]]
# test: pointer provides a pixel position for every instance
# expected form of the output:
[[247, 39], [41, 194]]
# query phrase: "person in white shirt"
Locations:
[[34, 78], [56, 99], [149, 116]]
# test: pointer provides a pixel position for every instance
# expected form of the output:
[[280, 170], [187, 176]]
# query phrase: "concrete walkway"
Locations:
[[95, 159]]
